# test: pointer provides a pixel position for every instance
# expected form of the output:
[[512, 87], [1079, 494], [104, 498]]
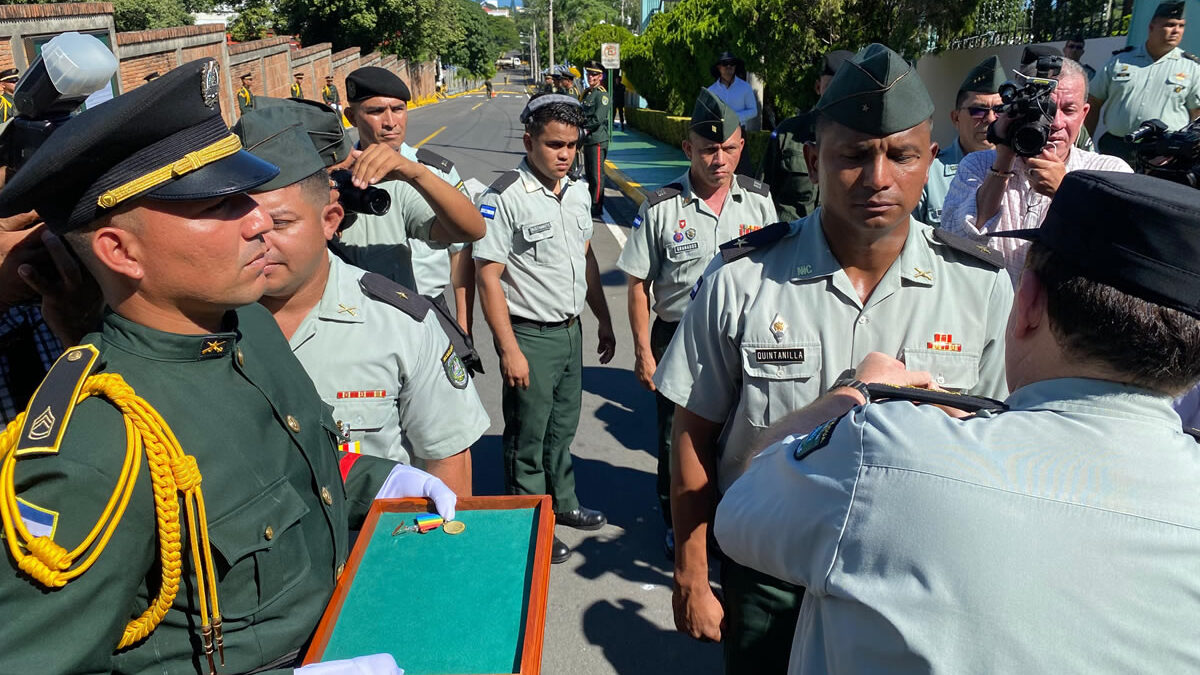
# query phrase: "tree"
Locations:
[[587, 46], [255, 21], [504, 33], [145, 14], [475, 48], [412, 29]]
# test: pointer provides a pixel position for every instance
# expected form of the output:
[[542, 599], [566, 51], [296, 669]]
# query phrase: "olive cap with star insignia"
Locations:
[[165, 140], [985, 78], [712, 118], [1169, 10], [877, 93], [1136, 233], [323, 124], [370, 81], [282, 141]]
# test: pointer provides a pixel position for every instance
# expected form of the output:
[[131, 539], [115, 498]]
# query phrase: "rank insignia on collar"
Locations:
[[342, 309], [213, 347], [402, 294], [778, 327], [740, 242], [923, 274]]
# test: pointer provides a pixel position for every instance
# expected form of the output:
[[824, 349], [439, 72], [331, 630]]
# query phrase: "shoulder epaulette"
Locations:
[[1194, 433], [664, 193], [752, 185], [965, 402], [747, 244], [52, 404], [435, 160], [1191, 57], [1122, 51], [505, 180], [976, 247], [402, 298]]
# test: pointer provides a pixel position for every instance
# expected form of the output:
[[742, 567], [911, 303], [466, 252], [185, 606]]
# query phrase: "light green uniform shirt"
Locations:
[[676, 234], [392, 380], [384, 244], [431, 260], [1136, 88], [937, 185], [770, 332], [542, 239], [1060, 536]]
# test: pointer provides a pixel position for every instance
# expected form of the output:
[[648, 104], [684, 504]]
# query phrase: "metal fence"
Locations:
[[1031, 34]]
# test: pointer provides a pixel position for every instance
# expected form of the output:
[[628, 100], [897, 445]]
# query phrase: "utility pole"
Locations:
[[550, 32]]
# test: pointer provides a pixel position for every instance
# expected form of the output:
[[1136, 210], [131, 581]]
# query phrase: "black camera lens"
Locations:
[[372, 200]]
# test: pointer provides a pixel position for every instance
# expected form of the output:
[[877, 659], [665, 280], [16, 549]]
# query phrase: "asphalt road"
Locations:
[[610, 604]]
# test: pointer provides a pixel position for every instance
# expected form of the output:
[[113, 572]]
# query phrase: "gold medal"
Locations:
[[454, 527]]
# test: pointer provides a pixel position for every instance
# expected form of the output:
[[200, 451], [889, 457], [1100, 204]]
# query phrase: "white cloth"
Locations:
[[375, 664], [739, 96], [1020, 207]]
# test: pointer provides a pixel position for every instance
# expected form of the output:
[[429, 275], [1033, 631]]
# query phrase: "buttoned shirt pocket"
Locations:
[[363, 416], [1177, 87], [541, 240], [958, 371], [262, 552], [778, 378]]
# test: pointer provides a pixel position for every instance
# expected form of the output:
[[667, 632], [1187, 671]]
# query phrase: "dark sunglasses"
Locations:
[[980, 112]]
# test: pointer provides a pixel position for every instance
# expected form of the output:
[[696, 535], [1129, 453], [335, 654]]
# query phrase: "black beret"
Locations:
[[1138, 234], [1169, 10], [364, 83], [164, 140], [9, 74]]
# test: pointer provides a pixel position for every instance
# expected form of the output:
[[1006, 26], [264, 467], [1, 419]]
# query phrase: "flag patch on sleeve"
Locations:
[[40, 522], [637, 222], [488, 211]]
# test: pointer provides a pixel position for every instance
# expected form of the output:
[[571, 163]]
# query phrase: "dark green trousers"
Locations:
[[540, 422], [760, 620], [593, 169], [661, 333]]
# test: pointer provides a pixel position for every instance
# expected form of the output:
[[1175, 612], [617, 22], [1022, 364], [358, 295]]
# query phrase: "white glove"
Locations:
[[375, 664], [406, 481]]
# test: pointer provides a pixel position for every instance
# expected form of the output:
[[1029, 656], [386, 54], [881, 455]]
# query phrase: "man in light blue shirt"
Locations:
[[732, 88], [1055, 533]]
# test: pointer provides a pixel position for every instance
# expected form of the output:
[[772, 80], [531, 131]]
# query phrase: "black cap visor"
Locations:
[[239, 172]]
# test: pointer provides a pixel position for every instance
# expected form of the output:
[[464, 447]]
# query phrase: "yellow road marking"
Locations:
[[477, 105], [424, 140]]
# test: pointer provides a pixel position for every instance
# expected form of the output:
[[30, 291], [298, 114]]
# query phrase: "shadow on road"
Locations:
[[632, 644], [627, 410]]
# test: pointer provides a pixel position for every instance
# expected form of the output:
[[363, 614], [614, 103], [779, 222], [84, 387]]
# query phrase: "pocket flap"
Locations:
[[364, 414], [950, 370], [243, 530], [786, 361], [538, 232]]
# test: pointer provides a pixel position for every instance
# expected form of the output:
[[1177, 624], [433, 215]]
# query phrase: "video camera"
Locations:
[[1030, 107], [1172, 155], [70, 68]]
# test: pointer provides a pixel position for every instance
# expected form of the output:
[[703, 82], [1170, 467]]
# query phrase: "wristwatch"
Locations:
[[848, 379]]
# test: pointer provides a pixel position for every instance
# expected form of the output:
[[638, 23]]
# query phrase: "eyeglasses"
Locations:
[[980, 112]]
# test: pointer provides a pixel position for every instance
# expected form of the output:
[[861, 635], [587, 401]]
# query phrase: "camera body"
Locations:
[[1030, 107], [371, 200], [1170, 155]]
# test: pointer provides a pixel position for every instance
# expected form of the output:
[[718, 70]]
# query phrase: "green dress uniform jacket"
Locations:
[[1136, 88], [769, 332], [675, 235], [245, 99], [330, 95], [785, 170], [297, 90], [7, 110], [597, 109], [1061, 532], [279, 511], [397, 388]]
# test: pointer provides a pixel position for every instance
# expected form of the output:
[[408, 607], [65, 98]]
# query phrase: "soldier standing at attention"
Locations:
[[245, 97], [787, 311], [674, 236], [597, 109], [535, 269], [330, 95], [1155, 80], [298, 86], [8, 84], [185, 369]]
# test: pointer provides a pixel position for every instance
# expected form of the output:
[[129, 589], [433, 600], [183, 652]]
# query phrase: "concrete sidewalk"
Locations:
[[640, 164]]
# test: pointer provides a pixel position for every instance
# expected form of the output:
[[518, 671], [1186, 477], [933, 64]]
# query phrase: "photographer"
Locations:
[[997, 190]]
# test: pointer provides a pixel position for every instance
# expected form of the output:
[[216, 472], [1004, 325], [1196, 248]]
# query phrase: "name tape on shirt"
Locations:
[[779, 355]]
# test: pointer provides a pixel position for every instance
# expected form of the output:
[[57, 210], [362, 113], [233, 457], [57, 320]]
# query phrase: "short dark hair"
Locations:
[[571, 115], [315, 188], [1152, 346]]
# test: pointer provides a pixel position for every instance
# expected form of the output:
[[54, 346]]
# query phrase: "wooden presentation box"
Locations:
[[467, 604]]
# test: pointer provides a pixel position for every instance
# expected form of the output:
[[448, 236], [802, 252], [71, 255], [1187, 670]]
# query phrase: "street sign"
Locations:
[[610, 55]]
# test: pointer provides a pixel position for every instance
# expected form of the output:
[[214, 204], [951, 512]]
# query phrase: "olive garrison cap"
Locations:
[[277, 134], [323, 124], [834, 60], [1136, 233], [985, 78], [877, 93], [712, 118], [1169, 10], [164, 140], [1032, 53], [370, 81]]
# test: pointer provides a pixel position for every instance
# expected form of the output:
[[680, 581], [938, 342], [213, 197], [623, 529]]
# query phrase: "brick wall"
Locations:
[[6, 55], [268, 59], [147, 51], [371, 59], [313, 62]]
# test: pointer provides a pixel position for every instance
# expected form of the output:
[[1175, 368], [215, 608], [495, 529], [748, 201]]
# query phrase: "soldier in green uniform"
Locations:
[[786, 310], [374, 349], [148, 189], [547, 85], [597, 109], [298, 86], [1155, 80], [8, 83], [974, 110], [783, 167], [330, 94], [674, 236], [245, 97], [535, 269]]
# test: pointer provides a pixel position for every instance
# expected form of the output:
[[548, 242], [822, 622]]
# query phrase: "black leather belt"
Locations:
[[566, 323]]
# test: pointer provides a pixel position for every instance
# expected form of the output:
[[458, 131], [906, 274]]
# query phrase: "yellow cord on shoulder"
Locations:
[[171, 472]]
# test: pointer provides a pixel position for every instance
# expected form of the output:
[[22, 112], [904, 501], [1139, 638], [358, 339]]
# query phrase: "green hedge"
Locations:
[[672, 130]]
